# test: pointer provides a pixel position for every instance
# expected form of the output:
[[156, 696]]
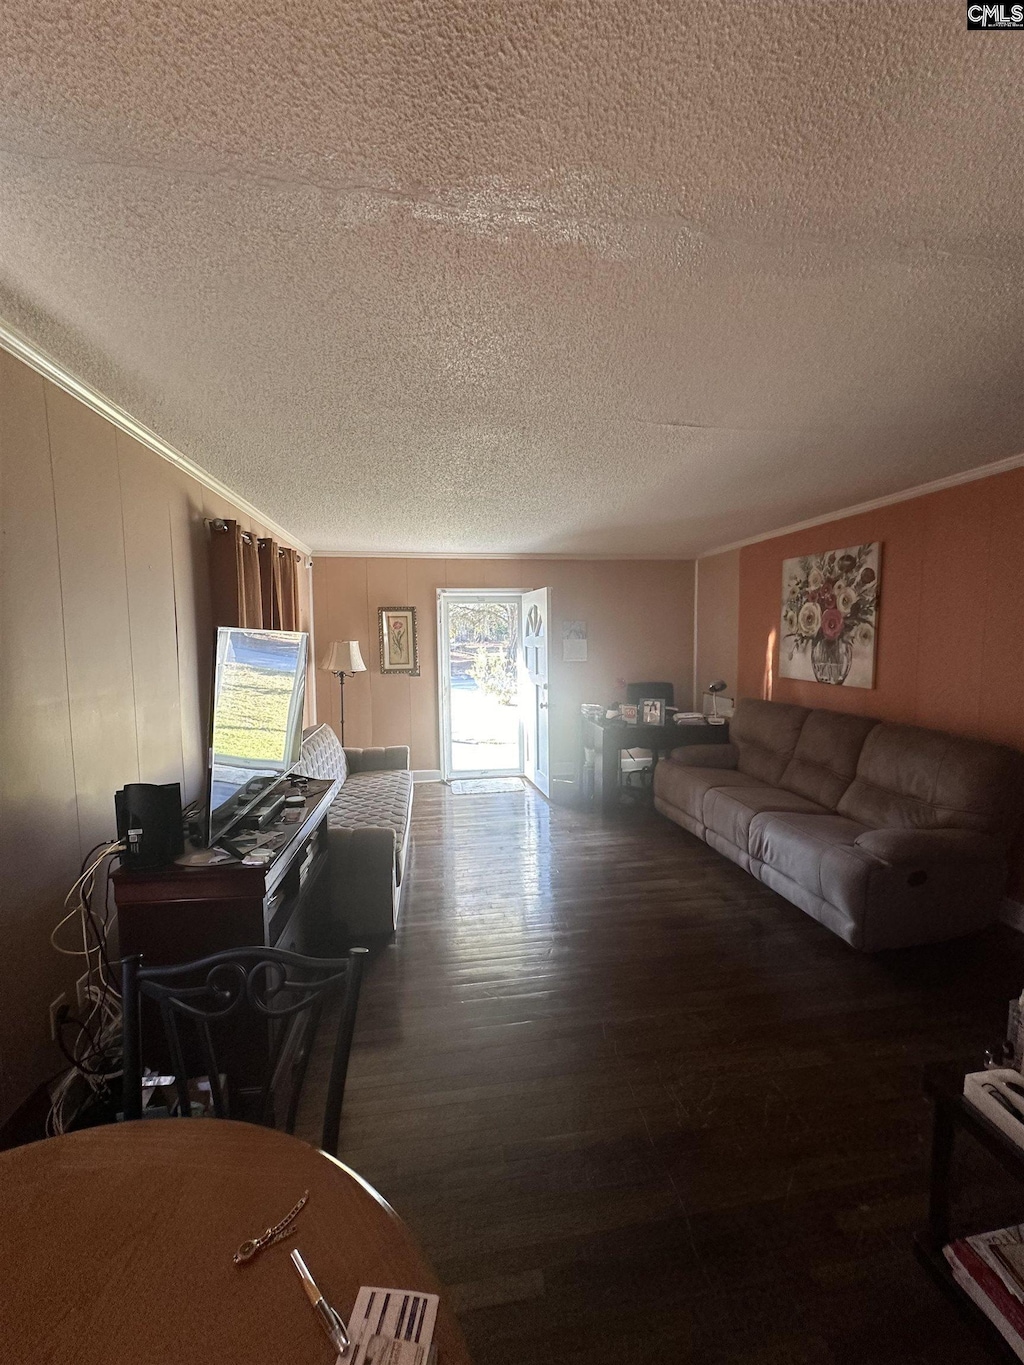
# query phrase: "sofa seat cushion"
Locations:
[[817, 852], [378, 800], [685, 787], [729, 810]]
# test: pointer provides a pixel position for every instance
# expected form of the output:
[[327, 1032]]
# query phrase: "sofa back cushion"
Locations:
[[825, 760], [765, 733], [922, 779], [322, 755]]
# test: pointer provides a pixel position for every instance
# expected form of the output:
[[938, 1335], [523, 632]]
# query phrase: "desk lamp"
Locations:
[[714, 688], [343, 659]]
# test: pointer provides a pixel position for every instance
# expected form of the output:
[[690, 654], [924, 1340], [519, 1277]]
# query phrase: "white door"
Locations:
[[535, 616]]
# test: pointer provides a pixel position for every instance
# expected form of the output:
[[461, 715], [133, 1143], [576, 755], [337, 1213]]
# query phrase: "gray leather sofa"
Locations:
[[888, 834], [367, 830]]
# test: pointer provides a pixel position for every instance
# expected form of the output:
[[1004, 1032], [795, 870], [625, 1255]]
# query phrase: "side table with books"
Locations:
[[983, 1272]]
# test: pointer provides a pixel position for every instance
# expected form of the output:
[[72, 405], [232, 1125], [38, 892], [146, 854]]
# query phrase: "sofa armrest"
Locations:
[[706, 756], [395, 756], [362, 886], [910, 847]]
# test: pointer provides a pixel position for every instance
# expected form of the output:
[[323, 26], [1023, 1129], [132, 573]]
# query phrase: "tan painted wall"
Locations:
[[105, 669], [639, 616], [718, 611]]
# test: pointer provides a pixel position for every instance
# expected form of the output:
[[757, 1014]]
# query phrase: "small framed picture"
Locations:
[[627, 712], [652, 710], [399, 646]]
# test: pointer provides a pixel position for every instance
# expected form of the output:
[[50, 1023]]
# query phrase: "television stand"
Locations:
[[186, 911]]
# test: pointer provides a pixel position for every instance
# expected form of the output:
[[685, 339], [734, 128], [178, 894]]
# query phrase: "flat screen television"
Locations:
[[259, 688]]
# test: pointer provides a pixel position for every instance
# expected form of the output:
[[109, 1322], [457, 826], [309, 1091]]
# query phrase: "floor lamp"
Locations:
[[343, 659]]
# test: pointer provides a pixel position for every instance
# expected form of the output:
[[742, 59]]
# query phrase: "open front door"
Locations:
[[535, 618]]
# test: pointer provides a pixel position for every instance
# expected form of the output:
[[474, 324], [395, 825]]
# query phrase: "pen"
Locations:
[[330, 1321]]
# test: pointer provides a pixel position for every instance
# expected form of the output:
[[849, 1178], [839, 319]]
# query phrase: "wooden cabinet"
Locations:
[[181, 913]]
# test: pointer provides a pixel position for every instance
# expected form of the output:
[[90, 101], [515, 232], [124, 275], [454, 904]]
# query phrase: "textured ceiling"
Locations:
[[621, 276]]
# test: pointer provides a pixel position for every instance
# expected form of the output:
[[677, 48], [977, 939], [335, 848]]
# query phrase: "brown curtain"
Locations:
[[288, 581], [270, 584], [235, 594]]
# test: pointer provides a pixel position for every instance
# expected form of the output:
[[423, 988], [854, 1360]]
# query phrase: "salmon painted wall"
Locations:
[[950, 644], [639, 616]]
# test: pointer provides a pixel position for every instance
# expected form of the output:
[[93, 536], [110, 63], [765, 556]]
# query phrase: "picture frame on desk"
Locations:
[[628, 712], [652, 710]]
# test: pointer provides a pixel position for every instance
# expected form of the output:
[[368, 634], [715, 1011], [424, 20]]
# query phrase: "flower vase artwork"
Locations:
[[830, 615]]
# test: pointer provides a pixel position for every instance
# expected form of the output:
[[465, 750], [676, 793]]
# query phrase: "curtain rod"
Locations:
[[220, 524]]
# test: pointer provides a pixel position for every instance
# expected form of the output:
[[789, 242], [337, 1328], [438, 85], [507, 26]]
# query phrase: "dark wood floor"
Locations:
[[638, 1108]]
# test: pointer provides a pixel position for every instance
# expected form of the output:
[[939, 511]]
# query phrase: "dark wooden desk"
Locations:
[[608, 738]]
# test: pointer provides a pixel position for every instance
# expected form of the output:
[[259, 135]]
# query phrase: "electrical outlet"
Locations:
[[81, 986], [59, 1004]]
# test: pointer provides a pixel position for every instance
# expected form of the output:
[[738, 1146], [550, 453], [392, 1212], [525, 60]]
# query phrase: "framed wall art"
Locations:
[[399, 643], [830, 616]]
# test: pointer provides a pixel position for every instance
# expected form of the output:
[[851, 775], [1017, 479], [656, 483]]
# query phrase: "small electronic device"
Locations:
[[296, 801], [266, 814], [149, 823]]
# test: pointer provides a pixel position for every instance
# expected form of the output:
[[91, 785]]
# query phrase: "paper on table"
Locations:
[[391, 1326]]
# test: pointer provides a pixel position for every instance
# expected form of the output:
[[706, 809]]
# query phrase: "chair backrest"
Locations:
[[664, 690], [276, 997], [322, 755], [765, 734], [908, 778]]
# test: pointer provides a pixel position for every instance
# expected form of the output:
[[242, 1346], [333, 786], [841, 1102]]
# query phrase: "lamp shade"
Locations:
[[343, 657]]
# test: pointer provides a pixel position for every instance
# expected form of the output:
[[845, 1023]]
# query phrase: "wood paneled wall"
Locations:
[[639, 616], [105, 670]]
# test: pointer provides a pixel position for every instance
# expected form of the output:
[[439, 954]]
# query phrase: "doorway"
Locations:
[[493, 684], [480, 725]]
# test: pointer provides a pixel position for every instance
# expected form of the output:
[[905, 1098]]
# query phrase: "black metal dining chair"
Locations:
[[279, 995]]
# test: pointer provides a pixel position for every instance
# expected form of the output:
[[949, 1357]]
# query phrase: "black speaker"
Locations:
[[149, 824]]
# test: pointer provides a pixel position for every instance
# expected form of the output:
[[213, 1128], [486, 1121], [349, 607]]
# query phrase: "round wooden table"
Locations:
[[116, 1248]]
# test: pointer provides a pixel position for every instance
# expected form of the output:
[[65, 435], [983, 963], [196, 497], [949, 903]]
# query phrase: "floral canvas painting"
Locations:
[[830, 615]]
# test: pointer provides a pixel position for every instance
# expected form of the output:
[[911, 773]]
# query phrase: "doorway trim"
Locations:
[[444, 679]]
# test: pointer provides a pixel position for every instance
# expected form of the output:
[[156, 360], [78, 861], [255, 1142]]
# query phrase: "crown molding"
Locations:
[[494, 554], [22, 349], [984, 471]]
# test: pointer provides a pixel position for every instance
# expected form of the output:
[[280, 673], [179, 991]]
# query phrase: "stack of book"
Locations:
[[989, 1268]]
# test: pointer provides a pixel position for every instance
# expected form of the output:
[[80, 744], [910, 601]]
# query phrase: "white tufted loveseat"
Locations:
[[367, 831]]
